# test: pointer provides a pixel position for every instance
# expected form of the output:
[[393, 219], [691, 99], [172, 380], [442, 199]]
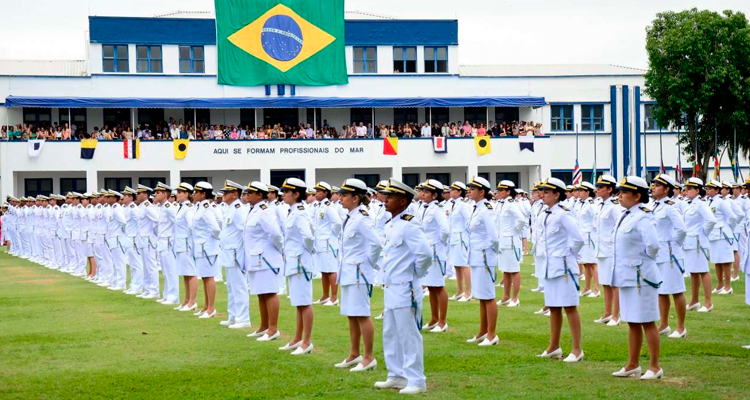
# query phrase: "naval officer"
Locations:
[[327, 226], [233, 257], [165, 243], [459, 213], [205, 232], [699, 220], [435, 226]]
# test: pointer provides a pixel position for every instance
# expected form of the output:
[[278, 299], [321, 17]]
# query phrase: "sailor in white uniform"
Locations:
[[670, 229], [298, 248], [205, 233], [587, 257], [483, 247], [637, 276], [147, 217], [282, 210], [607, 214], [233, 257], [183, 246], [721, 237], [406, 259], [327, 227], [128, 241], [380, 215], [537, 216], [740, 231], [360, 249], [510, 222], [522, 200], [79, 261], [699, 220], [101, 251], [563, 242], [459, 214], [164, 244], [113, 239]]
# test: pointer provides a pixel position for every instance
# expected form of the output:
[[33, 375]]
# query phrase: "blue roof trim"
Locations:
[[583, 103], [138, 30], [273, 102]]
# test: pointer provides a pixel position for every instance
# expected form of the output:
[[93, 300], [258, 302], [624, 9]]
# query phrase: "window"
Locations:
[[247, 117], [200, 116], [365, 60], [564, 176], [117, 184], [435, 59], [363, 115], [115, 58], [148, 59], [586, 175], [403, 116], [79, 118], [151, 182], [278, 177], [192, 59], [651, 123], [475, 115], [444, 178], [72, 185], [371, 180], [283, 116], [507, 176], [193, 179], [404, 60], [39, 117], [410, 179], [316, 119], [439, 115], [115, 116], [592, 117], [506, 114], [562, 118], [485, 175], [152, 116], [35, 187]]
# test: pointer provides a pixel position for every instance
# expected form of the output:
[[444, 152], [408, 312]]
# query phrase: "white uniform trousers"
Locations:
[[135, 262], [168, 263], [402, 346], [150, 270], [49, 250], [238, 299], [63, 260], [81, 258], [119, 273], [103, 262], [25, 243], [72, 255], [57, 252]]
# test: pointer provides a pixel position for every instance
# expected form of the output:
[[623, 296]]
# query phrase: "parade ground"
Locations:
[[64, 338]]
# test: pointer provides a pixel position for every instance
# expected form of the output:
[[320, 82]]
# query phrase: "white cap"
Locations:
[[458, 185], [323, 186], [694, 182], [666, 180], [553, 183], [204, 187], [606, 180], [633, 183], [713, 183], [184, 186], [293, 183], [587, 185], [256, 186], [396, 186], [353, 186], [433, 185], [479, 182]]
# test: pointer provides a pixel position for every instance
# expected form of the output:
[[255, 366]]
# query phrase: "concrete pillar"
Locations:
[[174, 177], [397, 173], [310, 177], [91, 180], [472, 170], [265, 175]]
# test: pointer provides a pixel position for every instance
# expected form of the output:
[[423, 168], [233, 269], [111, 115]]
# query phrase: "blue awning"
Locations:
[[273, 102]]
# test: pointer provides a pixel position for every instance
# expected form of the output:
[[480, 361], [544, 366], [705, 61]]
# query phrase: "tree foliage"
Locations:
[[699, 75]]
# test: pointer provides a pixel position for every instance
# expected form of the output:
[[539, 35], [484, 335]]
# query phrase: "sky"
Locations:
[[489, 31]]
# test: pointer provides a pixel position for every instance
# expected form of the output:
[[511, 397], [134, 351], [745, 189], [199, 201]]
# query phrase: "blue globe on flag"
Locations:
[[281, 38]]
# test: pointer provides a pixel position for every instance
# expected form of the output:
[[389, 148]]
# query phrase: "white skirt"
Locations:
[[526, 232], [355, 300], [185, 265], [605, 270], [207, 267], [721, 251], [673, 281], [458, 256], [639, 307], [587, 255], [561, 292], [482, 285], [435, 277], [264, 282], [695, 261], [507, 261], [300, 290], [539, 269], [325, 262]]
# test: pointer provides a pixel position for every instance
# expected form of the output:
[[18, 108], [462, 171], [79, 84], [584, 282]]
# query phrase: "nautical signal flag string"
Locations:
[[482, 143], [88, 147], [131, 148], [180, 148], [390, 146]]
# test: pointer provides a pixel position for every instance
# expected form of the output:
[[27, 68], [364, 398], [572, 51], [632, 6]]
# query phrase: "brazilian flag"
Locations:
[[295, 42]]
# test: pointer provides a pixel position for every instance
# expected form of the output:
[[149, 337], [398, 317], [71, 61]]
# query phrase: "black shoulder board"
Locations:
[[591, 201], [132, 205], [564, 208], [300, 207], [489, 206], [363, 212], [238, 205], [205, 205], [407, 217], [670, 202], [167, 205], [510, 200], [644, 209], [263, 206], [616, 201], [328, 203]]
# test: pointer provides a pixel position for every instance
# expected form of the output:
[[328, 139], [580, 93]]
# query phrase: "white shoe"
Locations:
[[361, 367], [735, 279], [704, 309], [536, 289], [724, 291], [300, 351], [486, 342], [257, 333], [651, 375], [331, 303], [288, 346], [622, 373], [613, 322], [150, 296], [464, 299], [190, 308], [594, 295], [438, 329], [583, 277], [199, 312], [586, 293], [347, 364], [206, 315], [503, 303], [266, 338], [130, 291], [160, 300], [557, 354], [547, 313], [746, 347], [571, 358], [413, 390], [103, 284], [665, 332], [514, 303], [500, 285], [693, 307], [716, 290], [475, 339], [456, 296], [226, 323], [429, 327], [425, 293], [540, 312], [169, 303], [380, 317], [397, 383], [603, 320], [240, 325], [116, 288], [678, 335], [320, 301]]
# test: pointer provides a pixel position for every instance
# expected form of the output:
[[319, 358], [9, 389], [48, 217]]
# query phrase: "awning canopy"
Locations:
[[272, 102]]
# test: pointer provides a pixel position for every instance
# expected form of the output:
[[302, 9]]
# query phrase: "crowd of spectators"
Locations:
[[177, 129]]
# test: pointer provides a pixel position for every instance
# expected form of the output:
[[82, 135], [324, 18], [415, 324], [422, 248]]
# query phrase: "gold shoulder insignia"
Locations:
[[407, 217], [510, 200], [132, 205], [205, 205], [328, 203], [564, 208], [166, 205], [489, 206], [615, 201], [591, 201], [363, 212], [670, 202], [263, 206], [300, 207], [238, 205], [644, 209], [147, 204]]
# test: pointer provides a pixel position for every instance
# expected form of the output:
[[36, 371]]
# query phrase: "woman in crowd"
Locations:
[[360, 248], [698, 221], [637, 276], [563, 242]]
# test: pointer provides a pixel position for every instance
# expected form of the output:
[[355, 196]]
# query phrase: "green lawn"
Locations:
[[64, 338]]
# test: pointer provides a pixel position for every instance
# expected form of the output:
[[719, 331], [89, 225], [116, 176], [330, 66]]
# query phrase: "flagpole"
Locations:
[[594, 172], [736, 160], [661, 152], [644, 172], [576, 141], [717, 174]]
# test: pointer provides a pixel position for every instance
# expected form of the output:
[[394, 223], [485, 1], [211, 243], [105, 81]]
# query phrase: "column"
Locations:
[[472, 170], [396, 173], [310, 177], [7, 173], [91, 180], [174, 177], [534, 174], [265, 175]]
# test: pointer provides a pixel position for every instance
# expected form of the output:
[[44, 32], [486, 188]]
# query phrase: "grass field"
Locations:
[[64, 338]]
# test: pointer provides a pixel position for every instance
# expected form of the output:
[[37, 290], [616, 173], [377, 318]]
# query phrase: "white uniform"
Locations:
[[327, 223], [183, 239], [233, 259], [132, 249], [459, 214], [720, 237], [539, 251], [406, 259], [206, 231], [436, 229], [740, 230], [164, 248], [298, 247], [147, 217], [607, 216], [483, 247], [563, 242], [698, 221], [104, 271], [670, 229], [115, 225], [635, 271], [263, 246], [510, 222], [586, 219], [360, 249]]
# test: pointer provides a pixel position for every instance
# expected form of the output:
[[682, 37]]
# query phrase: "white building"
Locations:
[[144, 70]]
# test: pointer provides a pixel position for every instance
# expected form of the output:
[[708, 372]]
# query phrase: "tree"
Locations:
[[699, 75]]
